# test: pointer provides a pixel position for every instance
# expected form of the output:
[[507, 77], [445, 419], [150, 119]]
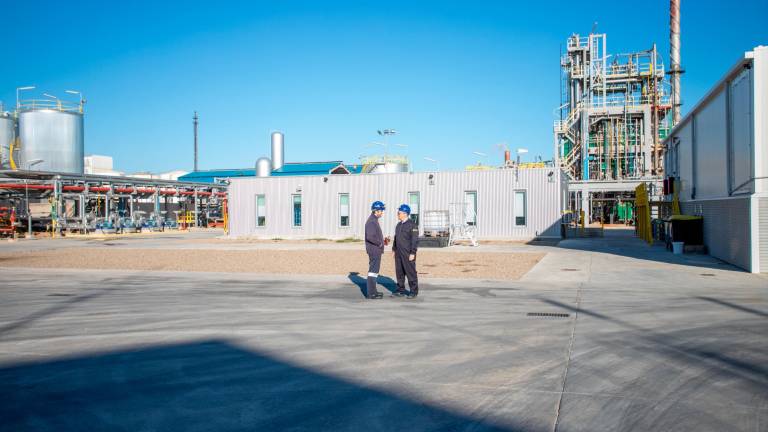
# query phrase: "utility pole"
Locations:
[[194, 122]]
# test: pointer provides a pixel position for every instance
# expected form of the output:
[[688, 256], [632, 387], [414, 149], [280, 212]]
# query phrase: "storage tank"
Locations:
[[278, 149], [263, 167], [385, 164], [7, 135], [51, 131], [389, 167]]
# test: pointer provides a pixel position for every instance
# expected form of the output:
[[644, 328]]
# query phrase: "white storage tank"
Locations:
[[51, 131], [263, 167], [278, 150], [7, 135]]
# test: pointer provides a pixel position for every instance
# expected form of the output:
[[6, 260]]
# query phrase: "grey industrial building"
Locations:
[[719, 154], [507, 203]]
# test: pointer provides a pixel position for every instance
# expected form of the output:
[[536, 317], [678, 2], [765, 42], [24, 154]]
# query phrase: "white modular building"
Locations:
[[718, 154], [504, 203]]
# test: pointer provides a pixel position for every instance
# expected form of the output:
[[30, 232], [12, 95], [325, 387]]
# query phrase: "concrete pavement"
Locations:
[[651, 342]]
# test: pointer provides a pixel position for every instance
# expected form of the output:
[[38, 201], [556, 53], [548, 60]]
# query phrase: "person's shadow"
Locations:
[[362, 283]]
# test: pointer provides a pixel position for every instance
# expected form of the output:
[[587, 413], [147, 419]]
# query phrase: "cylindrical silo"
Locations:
[[52, 134], [7, 135], [278, 149], [263, 167]]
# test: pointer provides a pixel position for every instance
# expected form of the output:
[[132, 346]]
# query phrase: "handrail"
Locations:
[[48, 104]]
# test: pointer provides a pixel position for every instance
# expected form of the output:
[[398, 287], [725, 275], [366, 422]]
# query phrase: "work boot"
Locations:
[[376, 296], [370, 290], [412, 295]]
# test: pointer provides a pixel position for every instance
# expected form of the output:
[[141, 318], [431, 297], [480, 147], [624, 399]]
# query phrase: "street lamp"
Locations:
[[481, 154], [385, 133], [19, 90], [58, 102], [435, 161], [80, 95], [520, 151]]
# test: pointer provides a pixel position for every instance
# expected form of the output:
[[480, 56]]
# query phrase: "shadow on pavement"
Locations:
[[361, 282], [623, 242], [208, 385], [733, 306], [686, 351], [52, 310]]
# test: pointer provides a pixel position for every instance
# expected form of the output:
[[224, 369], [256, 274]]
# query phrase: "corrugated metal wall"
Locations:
[[320, 201], [726, 228], [763, 237]]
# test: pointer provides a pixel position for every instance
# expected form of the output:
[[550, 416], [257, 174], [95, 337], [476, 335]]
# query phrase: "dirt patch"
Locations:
[[510, 266]]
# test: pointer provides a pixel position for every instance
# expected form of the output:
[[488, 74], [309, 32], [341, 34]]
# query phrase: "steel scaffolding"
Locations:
[[613, 112]]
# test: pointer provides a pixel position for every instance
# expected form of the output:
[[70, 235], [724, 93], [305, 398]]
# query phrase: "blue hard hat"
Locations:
[[378, 205], [405, 209]]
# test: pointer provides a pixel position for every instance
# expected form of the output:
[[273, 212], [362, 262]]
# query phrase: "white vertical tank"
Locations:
[[263, 167], [278, 149], [51, 131], [7, 135]]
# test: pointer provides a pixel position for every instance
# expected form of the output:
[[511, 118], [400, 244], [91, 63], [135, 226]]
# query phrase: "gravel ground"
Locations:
[[491, 265]]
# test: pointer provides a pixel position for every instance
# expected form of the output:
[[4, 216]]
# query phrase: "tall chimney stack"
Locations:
[[194, 126], [674, 57]]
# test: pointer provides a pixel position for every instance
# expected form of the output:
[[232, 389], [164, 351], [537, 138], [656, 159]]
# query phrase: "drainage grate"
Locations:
[[548, 315], [569, 269], [707, 274], [60, 295]]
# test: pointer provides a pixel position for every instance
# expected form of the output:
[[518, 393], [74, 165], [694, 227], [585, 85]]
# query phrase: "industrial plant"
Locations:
[[616, 160], [44, 187], [293, 256]]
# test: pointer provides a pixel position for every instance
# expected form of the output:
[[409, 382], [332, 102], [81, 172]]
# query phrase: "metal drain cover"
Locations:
[[569, 269], [548, 315], [60, 295], [707, 274]]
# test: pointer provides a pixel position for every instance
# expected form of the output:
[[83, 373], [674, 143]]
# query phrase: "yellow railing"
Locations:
[[50, 104]]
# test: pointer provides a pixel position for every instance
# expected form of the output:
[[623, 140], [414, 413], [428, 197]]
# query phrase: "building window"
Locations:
[[470, 200], [413, 202], [344, 210], [261, 211], [520, 208], [297, 210]]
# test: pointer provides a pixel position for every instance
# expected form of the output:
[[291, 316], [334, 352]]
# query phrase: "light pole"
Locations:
[[405, 146], [481, 154], [520, 151], [435, 161], [19, 90], [385, 133], [79, 95], [58, 102], [30, 164]]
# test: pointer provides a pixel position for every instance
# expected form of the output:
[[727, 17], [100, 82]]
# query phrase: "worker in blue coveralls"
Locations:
[[404, 247], [374, 247]]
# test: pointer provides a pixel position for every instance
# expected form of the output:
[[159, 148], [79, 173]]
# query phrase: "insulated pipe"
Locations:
[[191, 193], [99, 189], [124, 190], [27, 186], [168, 192], [72, 188], [145, 191]]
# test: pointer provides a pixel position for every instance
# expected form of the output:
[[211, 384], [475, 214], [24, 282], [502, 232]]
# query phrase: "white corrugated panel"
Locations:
[[320, 201]]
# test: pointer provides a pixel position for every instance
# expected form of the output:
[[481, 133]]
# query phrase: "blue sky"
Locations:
[[451, 77]]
